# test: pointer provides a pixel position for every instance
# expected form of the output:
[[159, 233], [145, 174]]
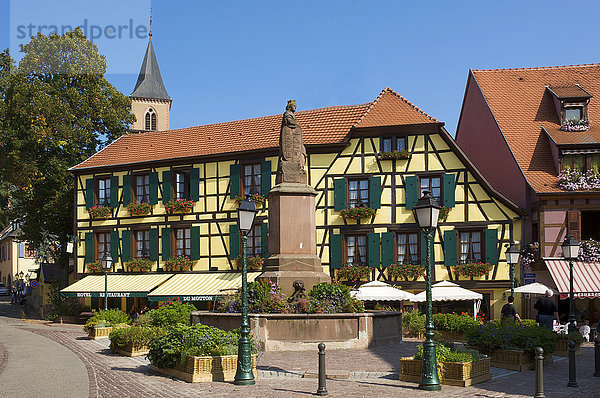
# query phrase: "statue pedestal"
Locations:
[[293, 238]]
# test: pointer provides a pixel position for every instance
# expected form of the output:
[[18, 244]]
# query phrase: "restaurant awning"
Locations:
[[586, 277], [200, 287], [380, 291], [118, 285]]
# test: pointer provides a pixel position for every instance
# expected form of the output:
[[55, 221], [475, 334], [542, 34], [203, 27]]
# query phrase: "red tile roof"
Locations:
[[524, 108], [331, 125]]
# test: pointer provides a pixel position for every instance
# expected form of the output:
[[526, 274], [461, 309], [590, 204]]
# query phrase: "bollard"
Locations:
[[597, 356], [572, 375], [539, 373], [322, 390]]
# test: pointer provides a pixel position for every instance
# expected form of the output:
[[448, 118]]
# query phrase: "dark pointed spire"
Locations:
[[149, 83]]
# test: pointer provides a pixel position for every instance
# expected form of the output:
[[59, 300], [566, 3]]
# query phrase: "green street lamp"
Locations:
[[106, 262], [427, 211], [512, 258], [243, 375], [570, 249]]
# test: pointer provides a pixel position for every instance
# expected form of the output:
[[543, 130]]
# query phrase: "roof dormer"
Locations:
[[571, 106]]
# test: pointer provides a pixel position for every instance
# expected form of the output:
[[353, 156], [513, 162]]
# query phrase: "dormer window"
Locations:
[[571, 106], [574, 113]]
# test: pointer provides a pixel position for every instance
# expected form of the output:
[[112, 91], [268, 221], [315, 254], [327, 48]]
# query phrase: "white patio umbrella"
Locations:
[[448, 291], [380, 291], [533, 288]]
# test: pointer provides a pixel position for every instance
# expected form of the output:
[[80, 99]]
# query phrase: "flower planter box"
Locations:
[[461, 374], [562, 348], [131, 350], [206, 369], [452, 336], [419, 336], [514, 359], [99, 333]]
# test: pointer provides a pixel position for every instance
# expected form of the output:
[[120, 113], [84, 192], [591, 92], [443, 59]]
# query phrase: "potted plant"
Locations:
[[100, 212], [102, 323], [180, 263], [454, 326], [357, 213], [413, 324], [133, 341], [94, 266], [472, 270], [444, 212], [259, 200], [252, 262], [406, 271], [179, 206], [562, 344], [139, 209], [138, 265], [403, 154]]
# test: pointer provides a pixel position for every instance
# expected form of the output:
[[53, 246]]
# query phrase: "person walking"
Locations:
[[509, 312], [13, 294], [547, 310]]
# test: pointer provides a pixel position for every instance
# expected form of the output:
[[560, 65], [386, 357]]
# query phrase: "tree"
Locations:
[[57, 110]]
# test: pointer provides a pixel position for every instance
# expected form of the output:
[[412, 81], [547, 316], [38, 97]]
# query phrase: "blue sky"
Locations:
[[230, 60]]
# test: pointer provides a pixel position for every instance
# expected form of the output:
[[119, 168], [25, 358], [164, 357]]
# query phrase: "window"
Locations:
[[358, 193], [251, 180], [103, 244], [574, 113], [142, 244], [433, 185], [182, 242], [150, 120], [581, 162], [181, 185], [469, 247], [408, 248], [391, 144], [103, 191], [356, 249], [254, 243], [142, 188]]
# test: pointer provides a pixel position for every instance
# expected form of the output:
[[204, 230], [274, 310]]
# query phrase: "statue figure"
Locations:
[[299, 291], [292, 153]]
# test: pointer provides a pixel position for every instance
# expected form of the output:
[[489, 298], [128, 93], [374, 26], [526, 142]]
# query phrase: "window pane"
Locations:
[[401, 144], [387, 144], [579, 162], [573, 113], [595, 163]]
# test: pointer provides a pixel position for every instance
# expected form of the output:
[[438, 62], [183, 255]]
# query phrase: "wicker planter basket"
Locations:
[[515, 359], [206, 369], [562, 348], [130, 350], [452, 336], [461, 374], [99, 333]]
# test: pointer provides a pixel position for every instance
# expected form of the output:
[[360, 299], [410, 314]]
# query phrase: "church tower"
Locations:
[[150, 103]]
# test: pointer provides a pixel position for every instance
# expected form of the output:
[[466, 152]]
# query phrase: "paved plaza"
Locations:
[[49, 360]]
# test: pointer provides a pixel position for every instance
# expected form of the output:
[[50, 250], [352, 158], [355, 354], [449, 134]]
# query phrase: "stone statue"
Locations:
[[299, 291], [292, 153]]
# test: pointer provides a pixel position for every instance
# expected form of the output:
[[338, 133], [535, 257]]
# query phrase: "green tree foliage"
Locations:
[[57, 109]]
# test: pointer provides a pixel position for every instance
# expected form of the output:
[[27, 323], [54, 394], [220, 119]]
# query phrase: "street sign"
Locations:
[[529, 275], [33, 284]]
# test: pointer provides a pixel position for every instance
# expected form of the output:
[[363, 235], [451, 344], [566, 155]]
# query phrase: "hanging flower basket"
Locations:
[[353, 273], [444, 212], [139, 209], [406, 271], [357, 213], [252, 262], [139, 265], [100, 212], [179, 206], [575, 125], [395, 154], [95, 266], [181, 263], [473, 269], [259, 200]]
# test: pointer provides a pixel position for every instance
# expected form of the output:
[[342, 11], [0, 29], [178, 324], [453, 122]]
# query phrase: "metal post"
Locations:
[[572, 324], [429, 375], [539, 373], [512, 280], [597, 356], [243, 374], [572, 375], [105, 290], [322, 390]]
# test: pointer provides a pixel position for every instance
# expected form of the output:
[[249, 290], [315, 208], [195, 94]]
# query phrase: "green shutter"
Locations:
[[491, 246], [166, 186], [411, 192], [126, 245], [387, 249], [114, 245], [166, 243], [114, 192], [449, 188], [375, 192], [424, 248], [195, 184], [234, 241], [374, 250], [336, 257], [154, 244], [89, 193], [195, 243], [89, 247], [234, 181], [450, 259], [264, 240], [153, 188], [265, 177], [126, 189], [339, 194]]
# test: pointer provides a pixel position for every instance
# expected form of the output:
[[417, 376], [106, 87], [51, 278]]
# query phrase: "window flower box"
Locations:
[[353, 273], [94, 267], [575, 180], [575, 125], [206, 369], [138, 265], [259, 200], [473, 270], [181, 263], [357, 213], [404, 154], [406, 271], [252, 262], [444, 212], [100, 212], [179, 206], [461, 374], [139, 209]]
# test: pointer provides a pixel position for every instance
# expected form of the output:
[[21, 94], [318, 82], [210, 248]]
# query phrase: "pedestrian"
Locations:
[[547, 310], [13, 294], [509, 312]]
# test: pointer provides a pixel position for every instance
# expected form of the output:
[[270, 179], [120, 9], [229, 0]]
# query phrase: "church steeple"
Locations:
[[149, 83]]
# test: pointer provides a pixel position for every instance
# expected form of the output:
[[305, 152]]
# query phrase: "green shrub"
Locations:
[[447, 354], [144, 320], [171, 313], [453, 322], [182, 341], [111, 317], [413, 322], [575, 336], [511, 336], [135, 336]]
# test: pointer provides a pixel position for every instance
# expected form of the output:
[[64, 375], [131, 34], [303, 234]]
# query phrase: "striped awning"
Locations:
[[200, 287], [586, 277], [118, 285]]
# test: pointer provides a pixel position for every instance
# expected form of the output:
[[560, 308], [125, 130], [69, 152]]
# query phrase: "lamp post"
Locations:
[[512, 258], [570, 249], [243, 375], [106, 261], [427, 211]]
